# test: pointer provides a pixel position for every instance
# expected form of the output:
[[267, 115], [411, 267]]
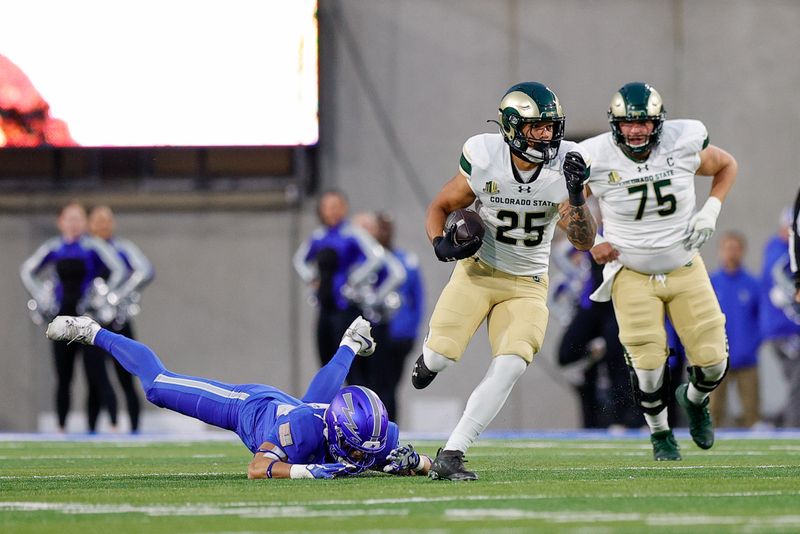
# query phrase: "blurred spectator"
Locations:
[[592, 338], [25, 119], [794, 248], [377, 299], [334, 260], [60, 277], [404, 325], [123, 301], [778, 318], [738, 292]]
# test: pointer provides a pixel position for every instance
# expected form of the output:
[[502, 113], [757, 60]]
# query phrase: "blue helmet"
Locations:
[[356, 424]]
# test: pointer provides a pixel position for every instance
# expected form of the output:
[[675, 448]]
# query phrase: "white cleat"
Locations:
[[360, 332], [69, 329]]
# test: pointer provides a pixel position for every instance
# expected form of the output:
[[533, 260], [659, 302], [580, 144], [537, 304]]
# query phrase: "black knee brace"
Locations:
[[655, 402], [699, 380]]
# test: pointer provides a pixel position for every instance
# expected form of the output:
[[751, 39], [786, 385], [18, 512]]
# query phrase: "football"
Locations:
[[468, 225]]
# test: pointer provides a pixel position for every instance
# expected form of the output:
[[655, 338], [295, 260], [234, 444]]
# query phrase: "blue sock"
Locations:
[[330, 378]]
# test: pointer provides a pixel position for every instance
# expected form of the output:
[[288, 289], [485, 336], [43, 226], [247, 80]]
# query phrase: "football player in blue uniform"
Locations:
[[329, 432]]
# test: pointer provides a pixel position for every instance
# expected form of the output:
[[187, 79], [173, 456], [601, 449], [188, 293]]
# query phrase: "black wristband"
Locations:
[[577, 199]]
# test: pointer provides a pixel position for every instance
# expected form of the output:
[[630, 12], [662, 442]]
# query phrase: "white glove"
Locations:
[[358, 337], [702, 224]]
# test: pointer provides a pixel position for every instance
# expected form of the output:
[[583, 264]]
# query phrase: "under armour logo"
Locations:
[[523, 188], [640, 167]]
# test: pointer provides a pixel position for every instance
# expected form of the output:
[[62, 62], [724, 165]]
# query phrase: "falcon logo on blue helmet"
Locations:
[[356, 422]]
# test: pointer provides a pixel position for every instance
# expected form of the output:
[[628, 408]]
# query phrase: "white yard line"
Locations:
[[589, 516], [255, 511], [535, 469]]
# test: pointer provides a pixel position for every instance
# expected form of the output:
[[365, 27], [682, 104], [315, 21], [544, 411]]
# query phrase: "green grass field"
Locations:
[[741, 485]]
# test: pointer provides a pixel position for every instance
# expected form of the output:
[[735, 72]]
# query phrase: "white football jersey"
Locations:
[[519, 218], [646, 206]]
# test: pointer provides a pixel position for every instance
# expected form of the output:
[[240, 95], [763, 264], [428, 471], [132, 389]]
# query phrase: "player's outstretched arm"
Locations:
[[267, 463]]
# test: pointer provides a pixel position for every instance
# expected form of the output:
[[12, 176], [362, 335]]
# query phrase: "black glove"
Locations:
[[447, 250], [575, 176]]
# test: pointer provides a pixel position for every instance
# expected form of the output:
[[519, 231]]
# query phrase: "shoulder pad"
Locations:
[[688, 135], [477, 152], [299, 434]]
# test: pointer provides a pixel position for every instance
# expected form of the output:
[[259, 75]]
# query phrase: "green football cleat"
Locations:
[[700, 425], [665, 448]]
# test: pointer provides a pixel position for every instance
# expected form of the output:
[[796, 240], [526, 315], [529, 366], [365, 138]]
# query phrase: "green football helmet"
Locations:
[[531, 102], [636, 101]]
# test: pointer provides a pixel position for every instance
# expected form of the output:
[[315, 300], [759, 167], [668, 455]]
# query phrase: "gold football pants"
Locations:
[[515, 308]]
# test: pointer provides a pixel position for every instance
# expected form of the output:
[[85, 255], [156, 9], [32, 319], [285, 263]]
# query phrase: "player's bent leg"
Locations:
[[517, 325], [640, 316], [651, 390], [462, 306], [483, 405], [698, 320], [693, 397], [428, 365], [135, 357], [213, 402]]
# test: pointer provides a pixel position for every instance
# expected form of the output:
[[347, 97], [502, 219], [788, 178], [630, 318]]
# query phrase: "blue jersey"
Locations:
[[738, 295], [138, 269], [336, 256], [75, 264], [773, 321], [406, 321], [295, 427]]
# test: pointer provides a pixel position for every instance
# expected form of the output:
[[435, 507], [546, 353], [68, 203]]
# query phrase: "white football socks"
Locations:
[[434, 361], [650, 381], [486, 400]]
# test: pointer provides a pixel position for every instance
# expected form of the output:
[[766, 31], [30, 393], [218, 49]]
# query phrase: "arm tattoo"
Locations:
[[581, 228]]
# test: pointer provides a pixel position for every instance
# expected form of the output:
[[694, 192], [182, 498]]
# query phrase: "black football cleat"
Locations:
[[449, 465], [421, 376]]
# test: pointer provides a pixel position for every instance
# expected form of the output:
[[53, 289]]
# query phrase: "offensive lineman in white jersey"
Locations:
[[643, 176], [518, 179]]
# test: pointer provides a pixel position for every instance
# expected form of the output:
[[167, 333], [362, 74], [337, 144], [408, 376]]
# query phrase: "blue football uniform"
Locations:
[[257, 413]]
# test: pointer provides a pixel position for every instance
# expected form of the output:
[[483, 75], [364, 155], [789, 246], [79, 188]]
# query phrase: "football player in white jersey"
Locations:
[[518, 179], [643, 175]]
